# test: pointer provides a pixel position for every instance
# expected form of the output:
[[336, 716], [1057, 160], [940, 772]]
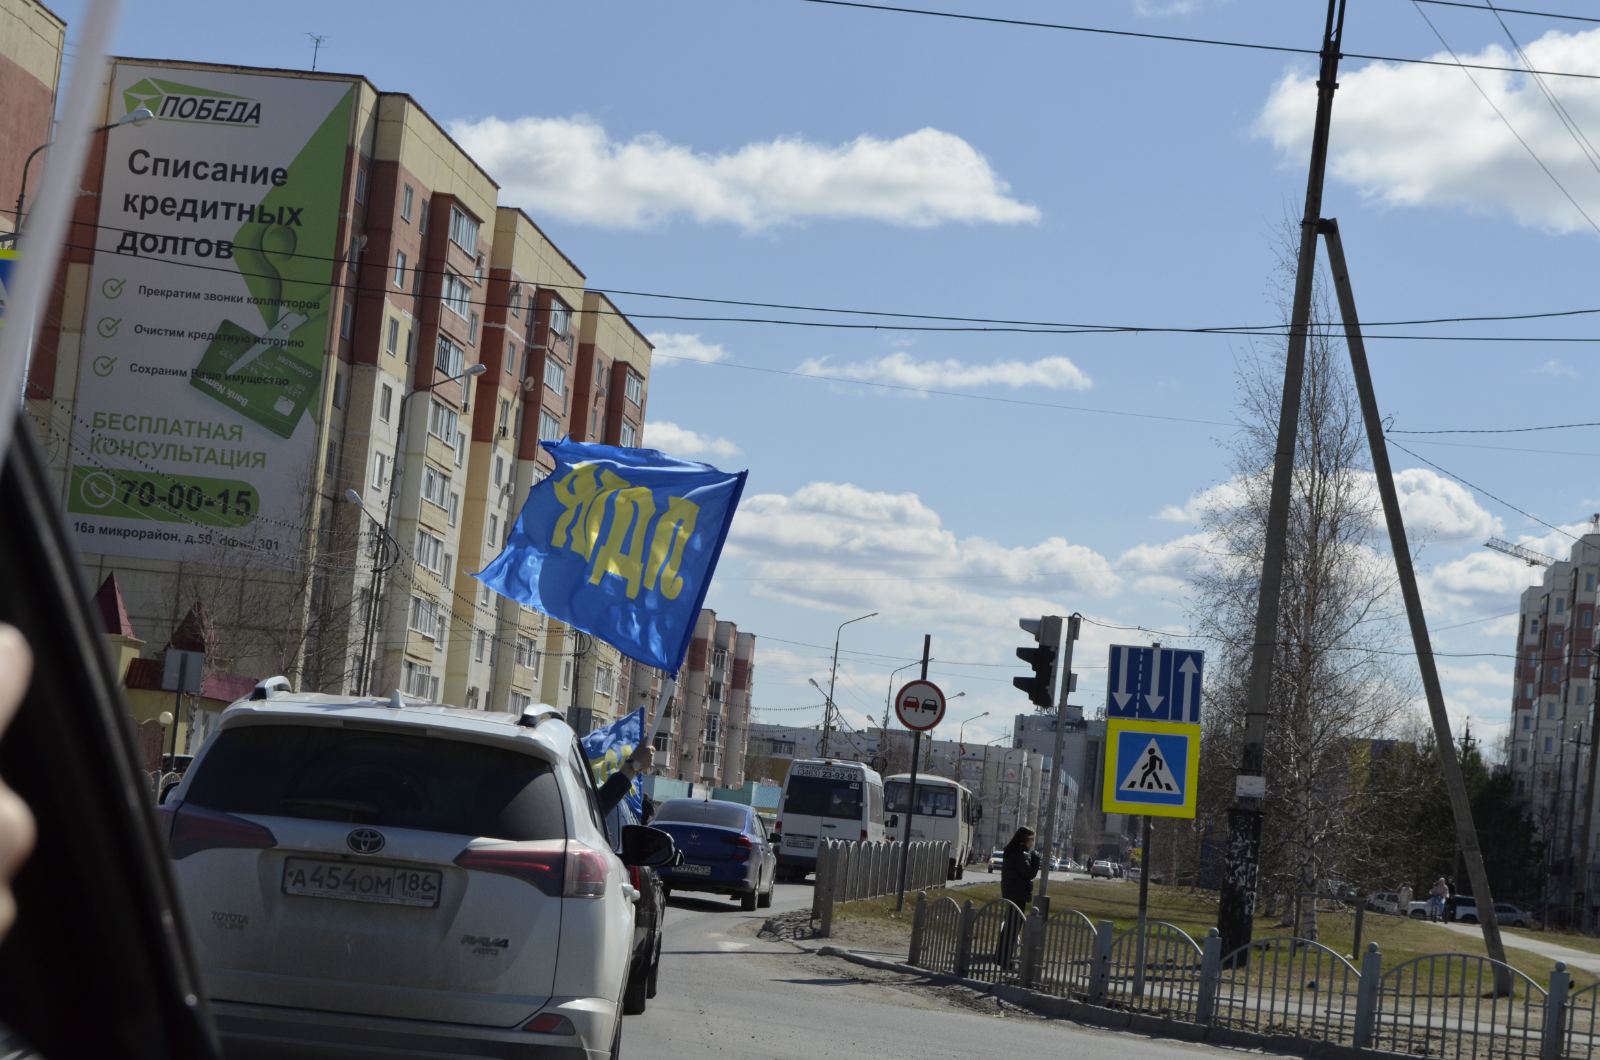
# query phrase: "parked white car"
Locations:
[[403, 880]]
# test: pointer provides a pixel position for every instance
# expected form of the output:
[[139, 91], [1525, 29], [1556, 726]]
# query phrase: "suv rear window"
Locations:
[[694, 811], [378, 777]]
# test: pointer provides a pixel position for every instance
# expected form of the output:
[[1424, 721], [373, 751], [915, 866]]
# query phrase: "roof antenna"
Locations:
[[317, 40]]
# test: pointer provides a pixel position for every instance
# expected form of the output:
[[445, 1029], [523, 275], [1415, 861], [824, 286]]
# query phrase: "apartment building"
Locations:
[[1553, 713], [705, 737], [325, 440], [31, 41]]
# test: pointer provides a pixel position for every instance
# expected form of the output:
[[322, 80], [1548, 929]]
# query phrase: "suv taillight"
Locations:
[[586, 873], [194, 830], [543, 866], [741, 846]]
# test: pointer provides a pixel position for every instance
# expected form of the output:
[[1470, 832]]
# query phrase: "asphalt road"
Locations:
[[726, 993]]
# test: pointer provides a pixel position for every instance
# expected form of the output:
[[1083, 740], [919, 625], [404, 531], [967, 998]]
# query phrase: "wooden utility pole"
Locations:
[[1455, 784], [1236, 912]]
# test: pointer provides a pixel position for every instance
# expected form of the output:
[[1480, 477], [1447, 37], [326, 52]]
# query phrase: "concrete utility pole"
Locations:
[[1236, 912], [1455, 784]]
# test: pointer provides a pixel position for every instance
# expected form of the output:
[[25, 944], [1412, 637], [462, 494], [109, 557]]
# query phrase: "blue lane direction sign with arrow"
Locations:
[[1152, 768], [1154, 683]]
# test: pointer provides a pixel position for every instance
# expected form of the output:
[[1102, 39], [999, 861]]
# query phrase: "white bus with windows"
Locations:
[[825, 798], [946, 812]]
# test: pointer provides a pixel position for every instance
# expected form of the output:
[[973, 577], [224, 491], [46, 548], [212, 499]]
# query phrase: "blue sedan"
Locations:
[[725, 850]]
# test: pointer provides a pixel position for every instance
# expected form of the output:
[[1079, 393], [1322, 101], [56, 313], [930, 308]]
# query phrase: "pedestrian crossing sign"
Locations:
[[1152, 768]]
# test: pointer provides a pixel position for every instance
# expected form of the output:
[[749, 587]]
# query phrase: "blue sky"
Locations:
[[781, 151]]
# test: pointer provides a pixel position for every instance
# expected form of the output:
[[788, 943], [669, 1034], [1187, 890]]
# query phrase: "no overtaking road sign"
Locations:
[[919, 705]]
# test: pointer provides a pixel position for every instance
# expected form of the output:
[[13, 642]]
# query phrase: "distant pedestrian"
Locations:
[[1436, 897], [1017, 870], [1450, 901]]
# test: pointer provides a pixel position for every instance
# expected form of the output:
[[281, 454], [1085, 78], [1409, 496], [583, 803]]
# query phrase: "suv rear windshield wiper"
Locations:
[[350, 809]]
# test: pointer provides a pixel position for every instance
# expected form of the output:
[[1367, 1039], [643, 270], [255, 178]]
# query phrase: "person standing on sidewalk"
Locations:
[[1017, 870], [1436, 897]]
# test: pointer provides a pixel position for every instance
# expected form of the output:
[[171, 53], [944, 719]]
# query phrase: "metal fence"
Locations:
[[1445, 1005], [847, 872]]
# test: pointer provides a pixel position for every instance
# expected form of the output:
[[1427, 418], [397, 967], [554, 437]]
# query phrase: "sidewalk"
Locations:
[[1588, 962]]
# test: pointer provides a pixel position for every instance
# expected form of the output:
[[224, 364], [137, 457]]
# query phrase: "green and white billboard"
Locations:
[[208, 318]]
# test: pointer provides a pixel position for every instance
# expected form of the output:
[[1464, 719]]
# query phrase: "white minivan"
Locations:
[[824, 798]]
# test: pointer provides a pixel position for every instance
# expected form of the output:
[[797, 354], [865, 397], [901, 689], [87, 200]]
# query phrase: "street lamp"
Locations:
[[472, 371], [833, 673], [137, 116], [961, 730], [888, 699], [386, 559]]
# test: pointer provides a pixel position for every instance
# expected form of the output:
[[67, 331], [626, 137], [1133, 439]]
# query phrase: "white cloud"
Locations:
[[680, 441], [674, 347], [1445, 146], [1163, 8], [838, 547], [573, 169], [1556, 368], [1050, 373]]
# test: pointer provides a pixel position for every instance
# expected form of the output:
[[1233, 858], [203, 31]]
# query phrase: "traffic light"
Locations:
[[1045, 682]]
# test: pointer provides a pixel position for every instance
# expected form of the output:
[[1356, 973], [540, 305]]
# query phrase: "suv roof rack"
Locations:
[[270, 687], [534, 713]]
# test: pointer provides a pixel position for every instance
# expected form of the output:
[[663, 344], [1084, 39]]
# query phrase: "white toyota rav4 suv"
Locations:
[[366, 878]]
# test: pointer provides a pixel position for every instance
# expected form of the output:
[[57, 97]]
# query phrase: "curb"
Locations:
[[1053, 1007]]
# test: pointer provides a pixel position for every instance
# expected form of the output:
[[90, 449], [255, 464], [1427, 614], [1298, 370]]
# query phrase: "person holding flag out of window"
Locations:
[[621, 544]]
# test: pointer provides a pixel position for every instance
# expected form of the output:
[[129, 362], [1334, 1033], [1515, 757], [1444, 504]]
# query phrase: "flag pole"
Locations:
[[661, 710]]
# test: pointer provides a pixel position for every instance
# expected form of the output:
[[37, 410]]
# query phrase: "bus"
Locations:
[[946, 813], [824, 798]]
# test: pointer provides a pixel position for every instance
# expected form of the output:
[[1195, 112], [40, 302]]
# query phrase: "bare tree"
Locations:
[[1335, 687]]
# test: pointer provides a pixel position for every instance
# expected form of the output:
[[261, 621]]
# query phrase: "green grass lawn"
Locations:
[[1399, 939]]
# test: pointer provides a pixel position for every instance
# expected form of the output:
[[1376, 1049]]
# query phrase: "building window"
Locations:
[[1558, 638], [566, 675], [560, 320], [719, 658], [453, 509], [416, 679], [391, 342], [505, 415], [511, 360], [426, 617], [604, 681], [338, 390], [347, 320], [1527, 690], [442, 422], [1533, 626], [627, 435], [422, 222], [663, 743], [555, 376], [520, 702], [1583, 694], [714, 692], [1549, 744], [411, 344], [450, 360], [380, 469], [1555, 674], [1588, 620], [516, 302], [463, 230], [332, 467], [472, 328], [361, 184], [1550, 709], [435, 486], [527, 654], [549, 426], [430, 552], [385, 402], [494, 529], [708, 755], [400, 269], [634, 388], [456, 295], [1561, 605], [1522, 756], [713, 728], [499, 469], [480, 646], [405, 203]]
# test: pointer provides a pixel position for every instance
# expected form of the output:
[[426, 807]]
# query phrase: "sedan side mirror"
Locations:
[[647, 846]]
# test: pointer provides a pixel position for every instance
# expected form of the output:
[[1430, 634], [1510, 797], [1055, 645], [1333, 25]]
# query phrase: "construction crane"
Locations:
[[1526, 555]]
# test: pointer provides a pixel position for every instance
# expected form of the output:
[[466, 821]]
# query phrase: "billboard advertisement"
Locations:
[[208, 315]]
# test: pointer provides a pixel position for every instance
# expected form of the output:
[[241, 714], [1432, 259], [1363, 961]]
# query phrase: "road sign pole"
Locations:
[[911, 801], [1057, 772], [1144, 908]]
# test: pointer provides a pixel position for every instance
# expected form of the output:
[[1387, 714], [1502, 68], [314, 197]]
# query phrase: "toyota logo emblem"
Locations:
[[365, 840]]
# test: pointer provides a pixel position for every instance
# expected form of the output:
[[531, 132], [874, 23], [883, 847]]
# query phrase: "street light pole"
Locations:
[[888, 698], [472, 371], [137, 116], [833, 673]]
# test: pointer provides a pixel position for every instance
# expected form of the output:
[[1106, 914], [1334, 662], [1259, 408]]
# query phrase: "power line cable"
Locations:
[[1501, 114], [1498, 500], [1567, 120], [1176, 38], [1500, 430], [1512, 10]]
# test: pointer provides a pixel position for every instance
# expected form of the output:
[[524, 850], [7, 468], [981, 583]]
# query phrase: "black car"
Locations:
[[649, 916]]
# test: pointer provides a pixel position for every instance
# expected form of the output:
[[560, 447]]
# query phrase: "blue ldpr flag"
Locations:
[[607, 748], [621, 544]]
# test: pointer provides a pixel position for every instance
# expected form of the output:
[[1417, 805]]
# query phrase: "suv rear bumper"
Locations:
[[264, 1031]]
